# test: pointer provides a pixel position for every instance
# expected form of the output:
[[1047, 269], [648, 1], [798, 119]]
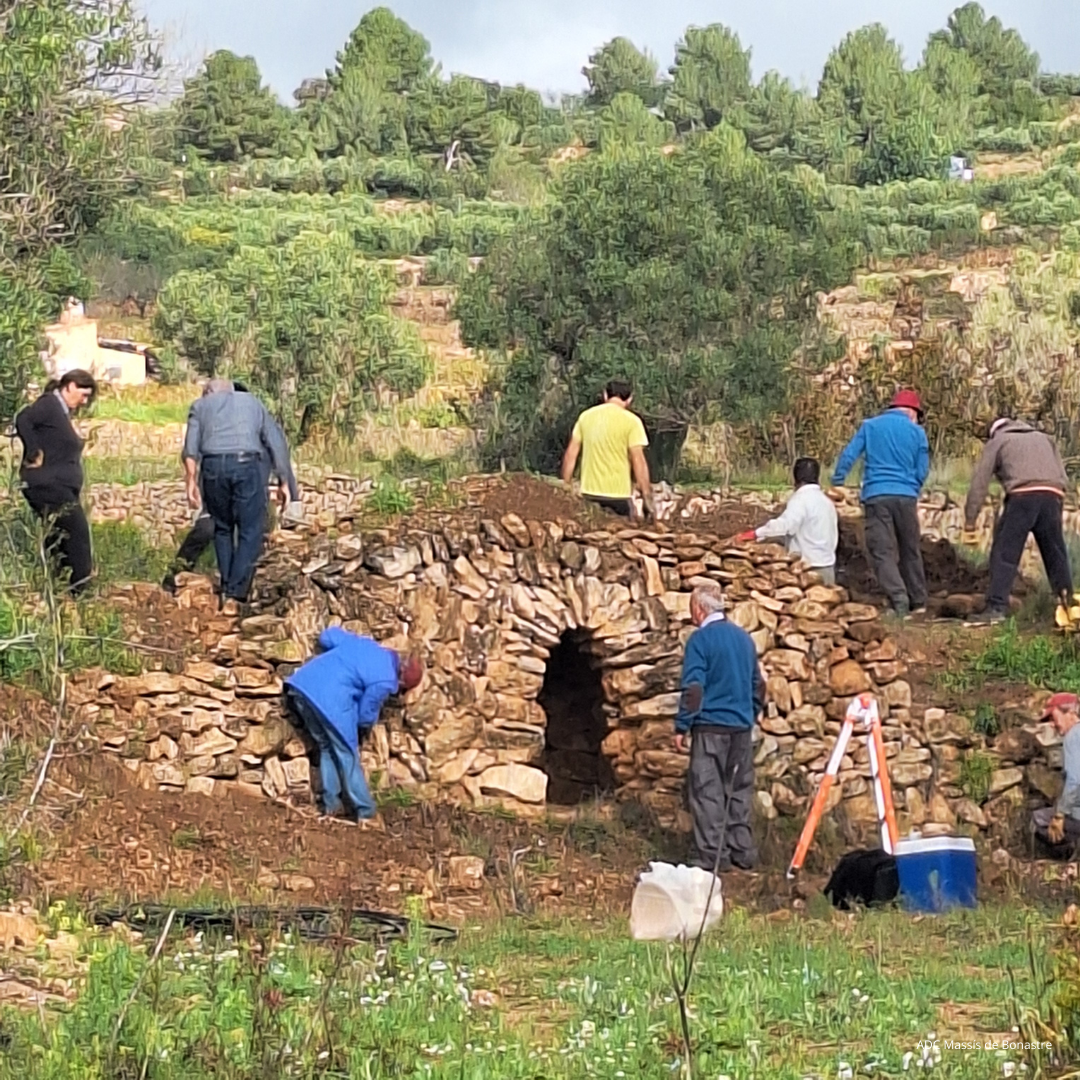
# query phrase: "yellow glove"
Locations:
[[1055, 831], [969, 538]]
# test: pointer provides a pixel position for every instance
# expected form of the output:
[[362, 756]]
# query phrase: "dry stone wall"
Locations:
[[487, 601], [161, 509]]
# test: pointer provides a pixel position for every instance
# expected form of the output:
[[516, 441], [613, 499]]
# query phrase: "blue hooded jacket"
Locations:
[[348, 681], [897, 456]]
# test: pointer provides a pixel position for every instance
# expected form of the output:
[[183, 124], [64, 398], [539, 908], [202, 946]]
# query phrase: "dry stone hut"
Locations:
[[553, 648]]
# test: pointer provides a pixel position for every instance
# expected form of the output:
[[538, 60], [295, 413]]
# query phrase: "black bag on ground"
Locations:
[[863, 877]]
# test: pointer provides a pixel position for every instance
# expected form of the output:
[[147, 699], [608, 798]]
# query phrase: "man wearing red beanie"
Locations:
[[896, 461], [1060, 824]]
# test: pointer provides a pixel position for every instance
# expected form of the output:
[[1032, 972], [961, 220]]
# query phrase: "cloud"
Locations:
[[545, 43]]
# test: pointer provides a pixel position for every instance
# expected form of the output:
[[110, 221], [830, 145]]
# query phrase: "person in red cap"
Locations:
[[1059, 825], [1029, 468], [896, 461]]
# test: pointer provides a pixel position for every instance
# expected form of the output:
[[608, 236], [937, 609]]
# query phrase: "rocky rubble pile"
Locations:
[[487, 601]]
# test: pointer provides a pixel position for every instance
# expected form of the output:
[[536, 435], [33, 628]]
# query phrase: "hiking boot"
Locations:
[[989, 617], [899, 613]]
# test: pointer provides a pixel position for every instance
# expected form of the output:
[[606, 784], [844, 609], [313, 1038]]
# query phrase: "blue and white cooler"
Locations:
[[936, 873]]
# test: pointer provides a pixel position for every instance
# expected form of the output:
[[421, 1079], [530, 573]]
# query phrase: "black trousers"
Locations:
[[720, 786], [892, 543], [622, 507], [1037, 513], [68, 536], [195, 543]]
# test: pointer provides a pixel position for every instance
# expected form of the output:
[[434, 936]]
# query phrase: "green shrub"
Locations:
[[976, 771]]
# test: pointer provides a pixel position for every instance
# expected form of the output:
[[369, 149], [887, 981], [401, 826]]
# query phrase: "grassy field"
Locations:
[[522, 1000]]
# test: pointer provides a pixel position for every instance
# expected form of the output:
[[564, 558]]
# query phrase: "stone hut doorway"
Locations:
[[572, 698]]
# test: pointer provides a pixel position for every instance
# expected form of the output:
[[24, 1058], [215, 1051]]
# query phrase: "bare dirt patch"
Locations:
[[125, 844]]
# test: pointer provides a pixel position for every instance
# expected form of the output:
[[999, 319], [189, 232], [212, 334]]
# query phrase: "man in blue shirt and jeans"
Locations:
[[896, 461], [230, 439], [723, 694], [338, 695]]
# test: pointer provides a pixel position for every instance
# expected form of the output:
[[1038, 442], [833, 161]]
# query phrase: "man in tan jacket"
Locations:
[[1027, 465]]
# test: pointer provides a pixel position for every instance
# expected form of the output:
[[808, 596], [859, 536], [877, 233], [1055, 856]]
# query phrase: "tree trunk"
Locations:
[[666, 440]]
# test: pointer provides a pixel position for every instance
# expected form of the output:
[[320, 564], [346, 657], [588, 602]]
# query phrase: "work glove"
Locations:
[[1055, 831], [969, 537], [747, 536]]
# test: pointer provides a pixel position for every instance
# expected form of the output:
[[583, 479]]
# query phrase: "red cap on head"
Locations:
[[410, 672], [1058, 701], [906, 399]]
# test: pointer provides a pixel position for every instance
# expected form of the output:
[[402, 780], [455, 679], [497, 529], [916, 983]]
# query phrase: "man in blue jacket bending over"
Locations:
[[896, 457], [723, 694], [339, 694]]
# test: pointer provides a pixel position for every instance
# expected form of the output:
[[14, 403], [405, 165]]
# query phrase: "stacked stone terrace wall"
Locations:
[[487, 601]]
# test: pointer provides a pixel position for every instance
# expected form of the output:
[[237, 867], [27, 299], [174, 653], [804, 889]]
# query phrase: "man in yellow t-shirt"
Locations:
[[611, 440]]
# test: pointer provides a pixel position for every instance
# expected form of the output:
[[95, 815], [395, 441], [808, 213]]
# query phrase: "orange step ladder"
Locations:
[[863, 711]]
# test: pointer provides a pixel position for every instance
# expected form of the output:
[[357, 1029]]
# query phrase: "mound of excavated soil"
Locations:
[[946, 573], [540, 500]]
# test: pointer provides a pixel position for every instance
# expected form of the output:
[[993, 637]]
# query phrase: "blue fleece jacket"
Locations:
[[721, 679], [348, 681], [896, 453]]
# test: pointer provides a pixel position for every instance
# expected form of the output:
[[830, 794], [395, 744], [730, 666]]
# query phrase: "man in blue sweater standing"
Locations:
[[896, 457], [723, 694], [339, 694]]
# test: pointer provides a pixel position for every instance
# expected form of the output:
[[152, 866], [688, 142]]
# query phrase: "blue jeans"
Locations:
[[234, 491], [339, 764]]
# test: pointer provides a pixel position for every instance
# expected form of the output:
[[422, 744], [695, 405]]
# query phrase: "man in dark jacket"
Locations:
[[338, 695], [1027, 465], [896, 457], [723, 695]]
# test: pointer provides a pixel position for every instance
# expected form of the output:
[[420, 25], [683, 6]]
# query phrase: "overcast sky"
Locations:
[[544, 43]]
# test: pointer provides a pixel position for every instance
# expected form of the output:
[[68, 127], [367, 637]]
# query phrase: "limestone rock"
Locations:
[[394, 562], [897, 695], [466, 871], [455, 732], [916, 806], [848, 679], [776, 725], [764, 807], [1003, 779], [275, 778], [1016, 745], [940, 811], [469, 580], [516, 781], [297, 772], [298, 882], [266, 739], [789, 663], [169, 773], [969, 812], [199, 785], [210, 744], [654, 580], [907, 774], [17, 929], [1046, 781]]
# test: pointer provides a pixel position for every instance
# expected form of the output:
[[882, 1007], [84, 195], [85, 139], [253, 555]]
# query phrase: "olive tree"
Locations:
[[306, 325], [691, 273], [69, 71]]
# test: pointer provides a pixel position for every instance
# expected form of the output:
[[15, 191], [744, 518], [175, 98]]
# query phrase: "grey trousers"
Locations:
[[892, 542], [721, 775]]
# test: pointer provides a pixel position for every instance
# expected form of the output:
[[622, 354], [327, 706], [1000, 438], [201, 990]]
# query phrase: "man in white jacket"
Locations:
[[808, 526]]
